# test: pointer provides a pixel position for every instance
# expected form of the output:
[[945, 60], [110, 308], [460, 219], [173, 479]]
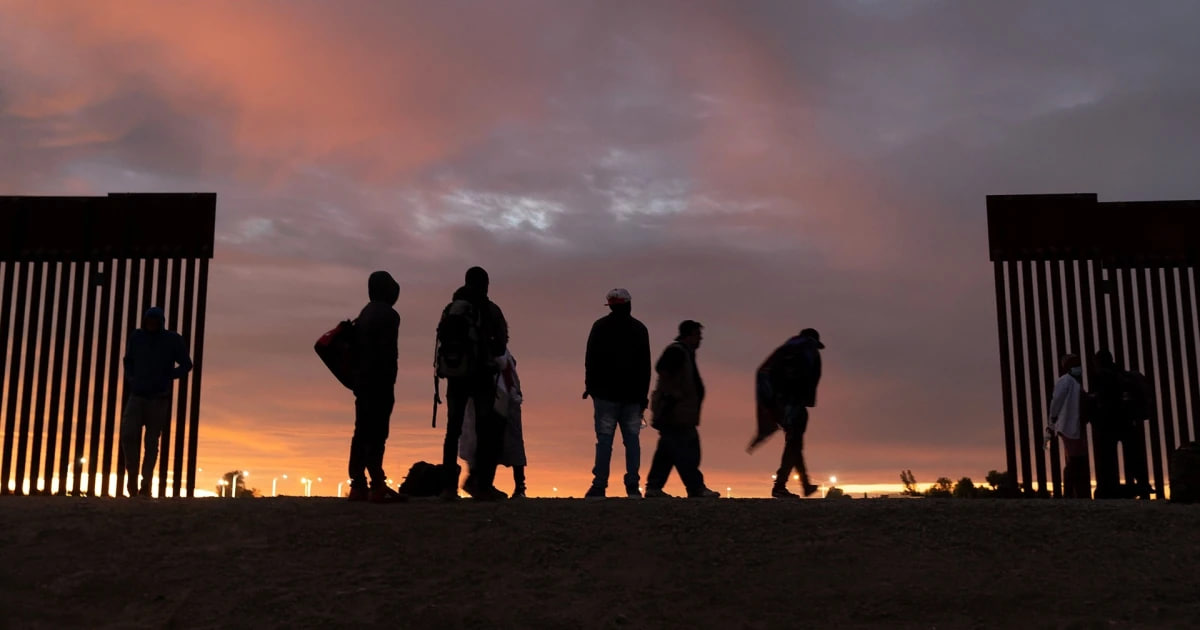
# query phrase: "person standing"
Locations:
[[786, 386], [154, 358], [472, 336], [617, 377], [1065, 422], [374, 376], [508, 405], [675, 404], [1107, 424]]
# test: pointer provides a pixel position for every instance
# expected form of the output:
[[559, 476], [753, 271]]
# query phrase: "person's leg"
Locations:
[[687, 461], [518, 481], [489, 428], [605, 417], [379, 417], [1108, 478], [358, 446], [1137, 472], [630, 421], [456, 408], [660, 465], [1080, 477], [131, 442], [157, 414]]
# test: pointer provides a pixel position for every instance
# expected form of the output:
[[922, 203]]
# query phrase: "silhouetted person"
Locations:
[[1120, 409], [617, 377], [786, 387], [374, 375], [485, 333], [1107, 423], [154, 358], [508, 405], [1066, 422], [675, 404]]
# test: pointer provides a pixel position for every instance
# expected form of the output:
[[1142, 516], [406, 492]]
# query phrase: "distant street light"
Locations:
[[728, 493], [273, 482], [222, 483], [243, 474], [833, 479]]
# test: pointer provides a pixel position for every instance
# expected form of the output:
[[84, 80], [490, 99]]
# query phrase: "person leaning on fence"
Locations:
[[154, 358]]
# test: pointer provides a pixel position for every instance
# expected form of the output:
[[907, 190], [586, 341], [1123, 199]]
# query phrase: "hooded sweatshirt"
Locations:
[[375, 335], [155, 358]]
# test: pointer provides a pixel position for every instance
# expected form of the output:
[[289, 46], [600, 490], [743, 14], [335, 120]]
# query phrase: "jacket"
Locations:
[[793, 371], [375, 335], [679, 391], [1064, 407], [617, 361], [153, 360]]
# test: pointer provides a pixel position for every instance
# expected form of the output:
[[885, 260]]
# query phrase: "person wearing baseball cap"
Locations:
[[786, 386], [617, 377]]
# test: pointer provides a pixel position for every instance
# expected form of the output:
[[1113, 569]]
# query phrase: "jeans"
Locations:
[[608, 416], [794, 424], [678, 447], [372, 417], [153, 414]]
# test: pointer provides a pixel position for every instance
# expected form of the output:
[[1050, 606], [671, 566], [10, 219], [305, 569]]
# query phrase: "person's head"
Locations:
[[381, 287], [811, 333], [690, 333], [1104, 359], [477, 280], [1070, 364], [153, 320], [619, 301]]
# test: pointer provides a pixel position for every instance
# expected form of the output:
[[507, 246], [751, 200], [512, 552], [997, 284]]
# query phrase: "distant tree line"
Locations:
[[999, 485]]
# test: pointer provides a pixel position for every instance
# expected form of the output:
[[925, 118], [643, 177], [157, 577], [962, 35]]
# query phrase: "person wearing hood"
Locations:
[[786, 386], [479, 389], [617, 377], [374, 375], [154, 358], [1066, 423]]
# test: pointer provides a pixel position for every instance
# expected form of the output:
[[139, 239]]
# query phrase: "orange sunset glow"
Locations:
[[759, 169]]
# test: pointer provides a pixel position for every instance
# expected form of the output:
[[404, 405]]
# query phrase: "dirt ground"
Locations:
[[546, 563]]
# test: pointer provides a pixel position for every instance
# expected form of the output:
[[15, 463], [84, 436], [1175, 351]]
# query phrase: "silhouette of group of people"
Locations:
[[483, 396], [1116, 408]]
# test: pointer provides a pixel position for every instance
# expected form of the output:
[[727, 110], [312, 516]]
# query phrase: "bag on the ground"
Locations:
[[336, 349], [423, 480], [458, 341]]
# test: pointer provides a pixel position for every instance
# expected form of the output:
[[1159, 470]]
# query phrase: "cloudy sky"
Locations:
[[758, 166]]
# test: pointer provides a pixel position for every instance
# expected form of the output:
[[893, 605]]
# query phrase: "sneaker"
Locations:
[[386, 495], [657, 493], [358, 493], [594, 493], [810, 489], [705, 494], [633, 493], [780, 492]]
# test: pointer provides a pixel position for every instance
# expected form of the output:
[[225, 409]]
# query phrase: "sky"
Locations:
[[758, 166]]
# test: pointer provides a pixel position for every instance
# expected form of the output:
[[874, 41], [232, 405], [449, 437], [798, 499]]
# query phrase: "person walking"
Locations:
[[786, 386], [675, 405], [472, 335], [1066, 423], [617, 377], [154, 358], [374, 352]]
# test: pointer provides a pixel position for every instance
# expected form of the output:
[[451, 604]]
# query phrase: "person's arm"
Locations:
[[643, 361], [128, 360], [1062, 389], [670, 362], [590, 359], [182, 359], [498, 330]]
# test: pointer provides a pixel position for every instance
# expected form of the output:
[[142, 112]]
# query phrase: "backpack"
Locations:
[[423, 480], [1137, 396], [336, 350], [459, 341]]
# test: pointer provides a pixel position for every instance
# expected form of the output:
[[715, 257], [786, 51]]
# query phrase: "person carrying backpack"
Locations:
[[373, 373], [786, 386], [472, 334]]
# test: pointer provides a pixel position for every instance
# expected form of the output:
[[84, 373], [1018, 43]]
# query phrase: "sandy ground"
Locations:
[[324, 563]]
